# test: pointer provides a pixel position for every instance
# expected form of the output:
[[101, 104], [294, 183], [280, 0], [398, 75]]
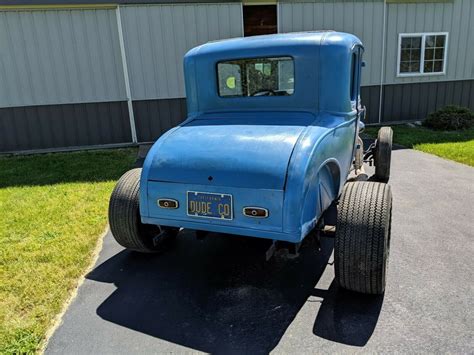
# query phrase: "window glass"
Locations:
[[434, 53], [422, 54], [352, 87], [256, 77], [230, 83], [410, 55]]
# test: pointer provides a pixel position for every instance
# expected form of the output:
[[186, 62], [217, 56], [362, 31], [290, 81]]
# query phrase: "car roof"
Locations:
[[321, 59], [276, 41]]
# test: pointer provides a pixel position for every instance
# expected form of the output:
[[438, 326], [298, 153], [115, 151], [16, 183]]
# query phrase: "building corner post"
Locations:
[[382, 64], [126, 78]]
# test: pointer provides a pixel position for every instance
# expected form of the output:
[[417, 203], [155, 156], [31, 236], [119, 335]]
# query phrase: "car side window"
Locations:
[[353, 78]]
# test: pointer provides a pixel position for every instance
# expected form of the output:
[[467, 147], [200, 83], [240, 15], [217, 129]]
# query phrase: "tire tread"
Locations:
[[124, 216], [362, 236], [383, 154]]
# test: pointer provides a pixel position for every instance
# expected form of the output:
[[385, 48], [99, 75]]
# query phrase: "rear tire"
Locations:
[[124, 218], [383, 154], [362, 240]]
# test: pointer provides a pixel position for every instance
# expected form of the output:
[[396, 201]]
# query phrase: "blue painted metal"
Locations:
[[288, 154]]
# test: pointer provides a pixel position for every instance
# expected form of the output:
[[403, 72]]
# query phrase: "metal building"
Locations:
[[92, 73]]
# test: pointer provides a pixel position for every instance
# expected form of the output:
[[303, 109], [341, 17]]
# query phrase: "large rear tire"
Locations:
[[362, 240], [383, 154], [124, 218]]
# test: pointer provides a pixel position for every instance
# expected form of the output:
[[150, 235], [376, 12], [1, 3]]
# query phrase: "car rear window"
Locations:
[[256, 77]]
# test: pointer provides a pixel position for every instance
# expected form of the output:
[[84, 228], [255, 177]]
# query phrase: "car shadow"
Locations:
[[219, 295], [346, 317]]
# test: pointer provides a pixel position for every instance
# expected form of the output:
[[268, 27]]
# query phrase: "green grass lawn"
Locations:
[[457, 146], [53, 209]]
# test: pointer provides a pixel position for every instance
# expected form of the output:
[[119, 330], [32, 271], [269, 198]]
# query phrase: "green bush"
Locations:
[[450, 118]]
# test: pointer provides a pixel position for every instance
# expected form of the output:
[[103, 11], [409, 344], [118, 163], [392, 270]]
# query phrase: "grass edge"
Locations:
[[440, 157], [425, 140], [57, 320]]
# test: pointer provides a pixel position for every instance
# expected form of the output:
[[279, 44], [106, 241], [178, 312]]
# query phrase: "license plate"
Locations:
[[209, 205]]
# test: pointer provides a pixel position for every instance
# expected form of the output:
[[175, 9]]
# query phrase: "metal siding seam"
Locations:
[[158, 45], [166, 62], [113, 44], [177, 41], [68, 94], [100, 52], [140, 54], [157, 124], [125, 76], [153, 50], [218, 26], [418, 101], [471, 95], [76, 73], [149, 119], [5, 36], [25, 57], [463, 47], [471, 35], [384, 22], [278, 17], [19, 134], [37, 50], [92, 49]]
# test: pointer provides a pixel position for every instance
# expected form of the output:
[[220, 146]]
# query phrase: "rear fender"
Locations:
[[316, 174], [146, 169], [320, 194]]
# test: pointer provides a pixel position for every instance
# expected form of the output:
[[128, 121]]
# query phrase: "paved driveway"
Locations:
[[217, 295]]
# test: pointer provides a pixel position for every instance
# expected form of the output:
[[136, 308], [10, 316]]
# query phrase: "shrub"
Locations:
[[450, 118]]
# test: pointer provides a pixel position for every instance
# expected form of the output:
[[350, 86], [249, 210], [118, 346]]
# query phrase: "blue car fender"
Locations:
[[316, 174], [152, 154]]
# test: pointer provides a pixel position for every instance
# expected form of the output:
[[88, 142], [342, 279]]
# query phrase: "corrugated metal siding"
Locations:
[[101, 2], [457, 18], [55, 57], [370, 96], [365, 19], [157, 37], [155, 117], [59, 126], [362, 18], [405, 102]]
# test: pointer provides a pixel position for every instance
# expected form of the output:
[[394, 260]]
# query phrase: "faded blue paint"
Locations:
[[227, 147], [289, 154]]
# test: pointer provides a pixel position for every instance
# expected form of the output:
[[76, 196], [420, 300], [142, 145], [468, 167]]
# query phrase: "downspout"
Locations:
[[126, 77], [382, 67]]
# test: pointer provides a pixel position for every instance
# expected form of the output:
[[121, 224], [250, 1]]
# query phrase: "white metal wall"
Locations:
[[59, 56], [157, 37], [456, 17], [364, 19], [73, 56]]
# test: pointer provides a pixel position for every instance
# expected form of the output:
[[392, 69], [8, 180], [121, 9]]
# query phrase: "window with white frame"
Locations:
[[422, 53]]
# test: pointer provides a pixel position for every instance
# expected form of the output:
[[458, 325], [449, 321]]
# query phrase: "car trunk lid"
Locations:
[[249, 152]]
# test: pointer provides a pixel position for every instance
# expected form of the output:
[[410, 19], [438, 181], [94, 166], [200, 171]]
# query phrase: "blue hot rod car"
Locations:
[[271, 137]]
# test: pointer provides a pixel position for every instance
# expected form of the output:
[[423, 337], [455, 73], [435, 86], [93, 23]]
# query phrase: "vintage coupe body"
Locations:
[[269, 142]]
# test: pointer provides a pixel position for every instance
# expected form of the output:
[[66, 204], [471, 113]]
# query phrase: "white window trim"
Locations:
[[423, 36]]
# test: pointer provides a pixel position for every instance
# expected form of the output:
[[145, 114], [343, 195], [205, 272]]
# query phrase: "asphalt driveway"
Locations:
[[217, 295]]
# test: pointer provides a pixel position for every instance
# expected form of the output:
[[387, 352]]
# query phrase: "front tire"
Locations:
[[124, 218], [362, 240], [383, 154]]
